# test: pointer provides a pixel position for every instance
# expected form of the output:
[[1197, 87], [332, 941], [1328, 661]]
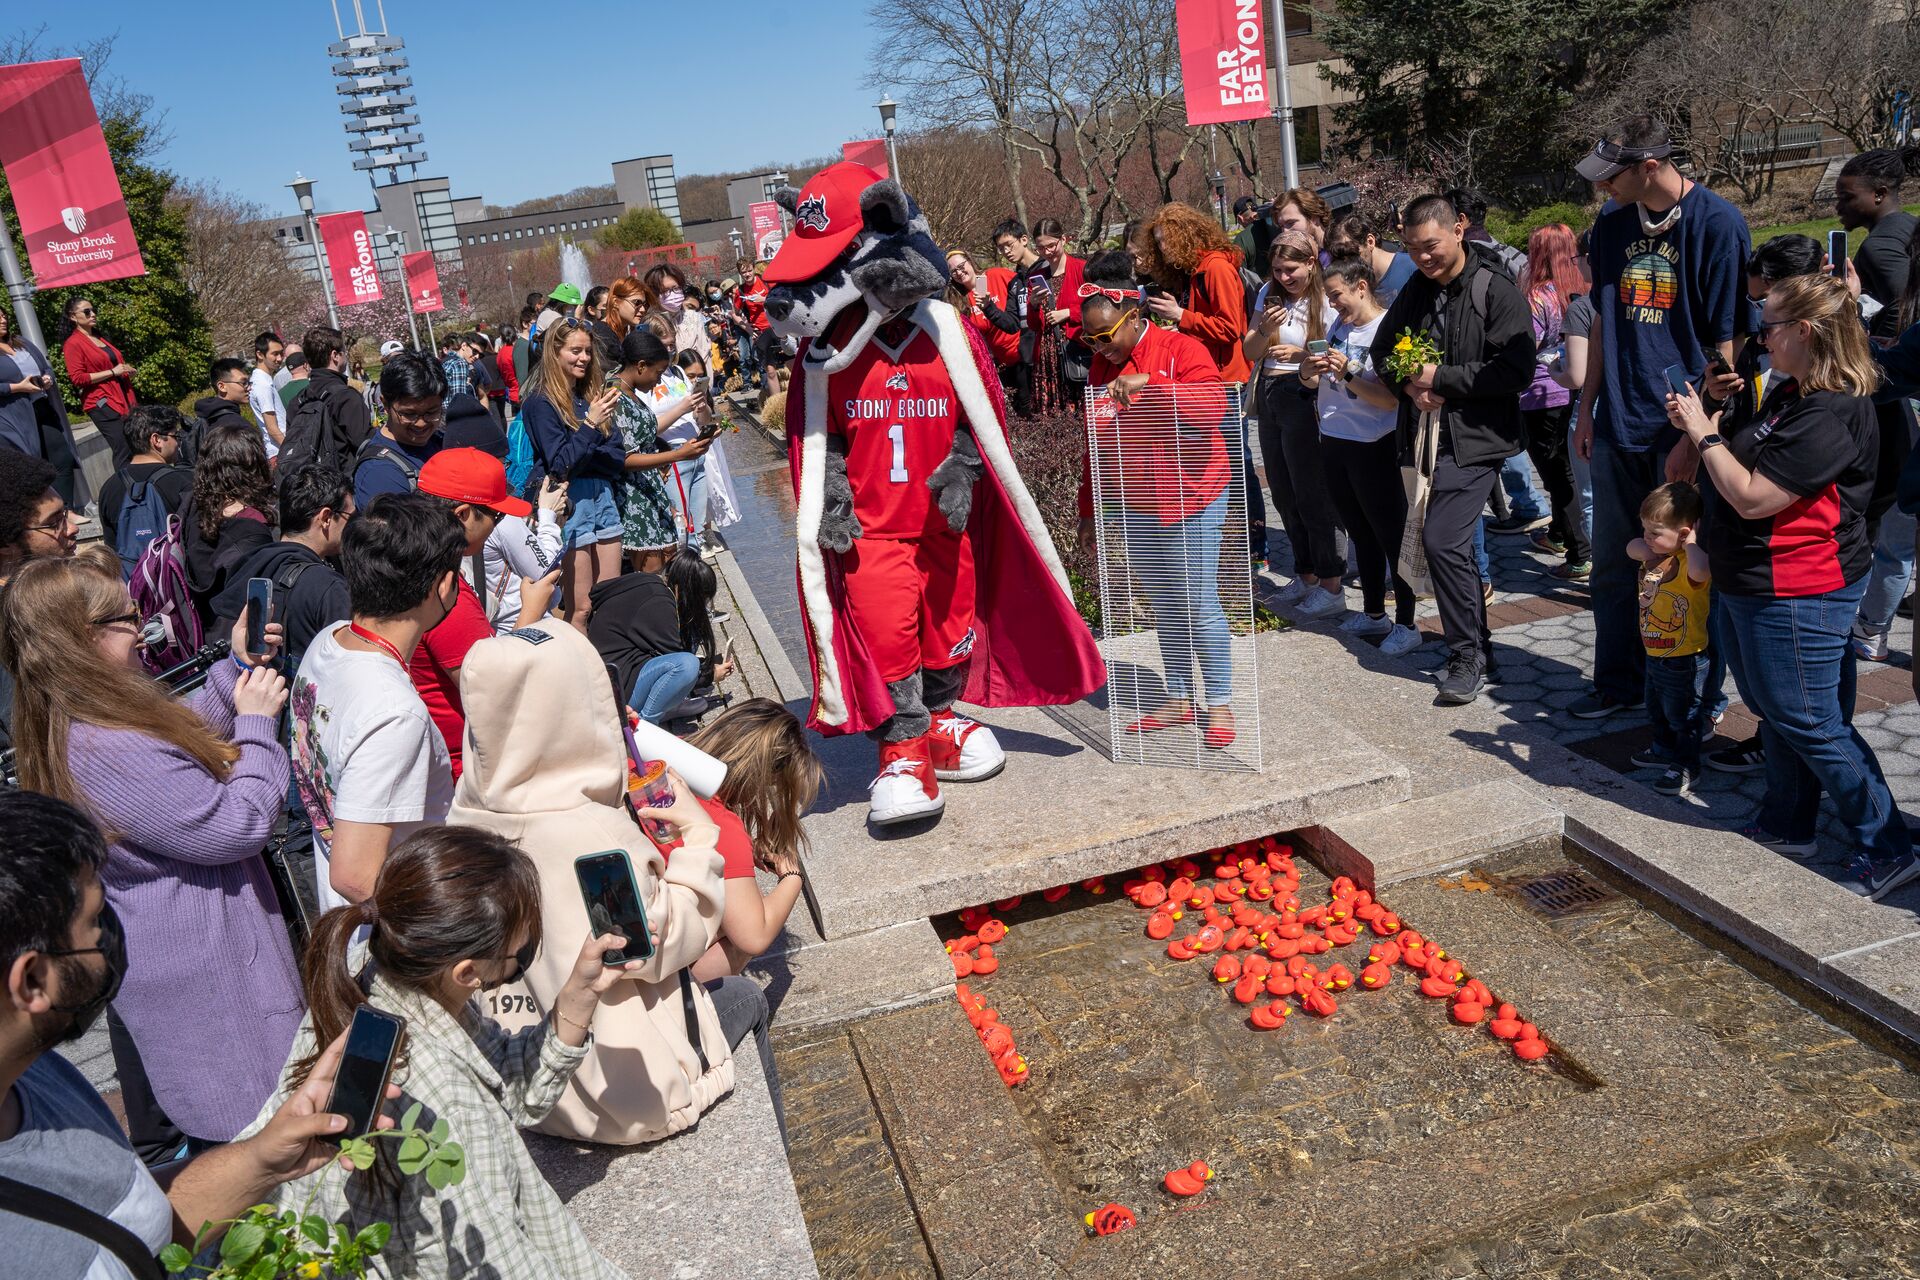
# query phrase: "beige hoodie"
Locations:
[[546, 766]]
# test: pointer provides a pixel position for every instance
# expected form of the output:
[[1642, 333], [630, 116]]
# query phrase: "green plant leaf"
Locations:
[[343, 1237], [453, 1158], [440, 1130], [374, 1238], [315, 1228], [413, 1154], [242, 1244], [265, 1269], [357, 1152], [439, 1176], [175, 1258], [411, 1120]]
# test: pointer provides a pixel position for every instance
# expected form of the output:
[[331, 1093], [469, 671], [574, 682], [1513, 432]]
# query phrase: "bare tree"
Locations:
[[957, 178], [1847, 75], [242, 279]]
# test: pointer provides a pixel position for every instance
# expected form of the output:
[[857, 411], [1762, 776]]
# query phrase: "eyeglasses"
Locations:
[[131, 618], [1102, 339], [1765, 327], [58, 525], [431, 418]]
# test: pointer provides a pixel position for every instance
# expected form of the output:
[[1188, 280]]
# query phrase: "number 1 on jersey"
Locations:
[[898, 434]]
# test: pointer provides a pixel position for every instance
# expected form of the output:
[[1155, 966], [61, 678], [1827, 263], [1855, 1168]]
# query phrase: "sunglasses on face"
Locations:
[[131, 618], [1102, 339]]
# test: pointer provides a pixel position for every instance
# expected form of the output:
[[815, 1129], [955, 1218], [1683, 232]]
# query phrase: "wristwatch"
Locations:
[[1709, 440]]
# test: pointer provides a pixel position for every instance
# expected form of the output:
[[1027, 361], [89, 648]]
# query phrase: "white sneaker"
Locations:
[[963, 750], [1365, 624], [1292, 593], [1321, 604], [1402, 639], [1869, 646], [905, 788]]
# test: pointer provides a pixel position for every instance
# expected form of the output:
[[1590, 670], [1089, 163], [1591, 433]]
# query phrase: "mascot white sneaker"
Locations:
[[926, 574]]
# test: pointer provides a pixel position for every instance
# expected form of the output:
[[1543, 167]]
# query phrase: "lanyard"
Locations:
[[373, 639]]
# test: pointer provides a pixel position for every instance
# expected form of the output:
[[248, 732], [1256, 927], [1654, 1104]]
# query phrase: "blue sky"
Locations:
[[249, 99]]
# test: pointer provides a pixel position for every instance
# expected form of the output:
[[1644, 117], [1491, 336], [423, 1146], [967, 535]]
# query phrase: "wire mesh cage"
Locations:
[[1176, 584]]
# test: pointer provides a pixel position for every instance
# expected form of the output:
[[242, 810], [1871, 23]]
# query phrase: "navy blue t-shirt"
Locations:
[[1662, 300]]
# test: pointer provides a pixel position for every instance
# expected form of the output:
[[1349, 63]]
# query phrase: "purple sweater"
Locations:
[[212, 995]]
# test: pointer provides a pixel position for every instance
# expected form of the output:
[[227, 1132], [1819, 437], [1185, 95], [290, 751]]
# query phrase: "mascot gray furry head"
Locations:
[[859, 246]]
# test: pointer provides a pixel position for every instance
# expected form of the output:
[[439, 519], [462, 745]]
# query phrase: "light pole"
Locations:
[[397, 239], [1283, 100], [733, 234], [1219, 179], [887, 108], [303, 192]]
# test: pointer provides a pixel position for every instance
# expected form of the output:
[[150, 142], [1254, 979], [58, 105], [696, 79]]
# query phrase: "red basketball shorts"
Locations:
[[912, 602]]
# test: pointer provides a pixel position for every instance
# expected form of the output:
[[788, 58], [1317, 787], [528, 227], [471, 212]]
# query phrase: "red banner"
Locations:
[[423, 282], [350, 259], [871, 153], [72, 212], [1223, 60], [763, 218]]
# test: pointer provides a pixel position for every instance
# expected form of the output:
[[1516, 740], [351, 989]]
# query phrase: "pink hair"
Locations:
[[1552, 277]]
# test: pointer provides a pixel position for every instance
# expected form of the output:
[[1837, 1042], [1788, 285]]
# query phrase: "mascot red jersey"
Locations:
[[926, 575]]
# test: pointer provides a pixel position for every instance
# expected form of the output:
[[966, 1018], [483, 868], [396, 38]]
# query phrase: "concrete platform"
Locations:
[[1433, 833], [1062, 811]]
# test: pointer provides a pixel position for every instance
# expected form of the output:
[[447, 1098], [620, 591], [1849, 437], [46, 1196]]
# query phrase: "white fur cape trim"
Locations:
[[942, 323]]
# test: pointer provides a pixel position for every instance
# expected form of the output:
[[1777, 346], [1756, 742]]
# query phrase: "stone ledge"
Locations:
[[813, 984], [1434, 833], [714, 1202]]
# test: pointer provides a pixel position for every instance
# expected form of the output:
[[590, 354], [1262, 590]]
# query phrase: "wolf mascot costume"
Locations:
[[925, 573]]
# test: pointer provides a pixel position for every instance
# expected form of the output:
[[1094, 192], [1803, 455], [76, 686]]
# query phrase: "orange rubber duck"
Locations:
[[1445, 967], [1181, 949], [1313, 917], [1245, 916], [1281, 983], [993, 931], [1260, 891], [997, 1039], [962, 964], [1369, 912], [1386, 924], [1506, 1028], [1248, 989], [1012, 1069], [1343, 887], [984, 961], [968, 1001], [1315, 944], [1186, 867], [965, 942], [1200, 898], [1257, 965], [1109, 1218], [1469, 1012], [1226, 871], [1269, 1016], [1410, 938], [1153, 873], [1476, 991], [1376, 975], [1056, 893], [1226, 969], [1229, 891], [1151, 895], [1530, 1050], [1159, 925], [1318, 1003], [1384, 953], [1179, 887], [973, 917], [1336, 978], [1095, 885], [1290, 928], [1210, 939], [1414, 958], [1337, 912], [1436, 988], [1339, 935], [1239, 938], [1296, 965], [1529, 1032], [1190, 1181], [1007, 904], [981, 1019], [1507, 1011]]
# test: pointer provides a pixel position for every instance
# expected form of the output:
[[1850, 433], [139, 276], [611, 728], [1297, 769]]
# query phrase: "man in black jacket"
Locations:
[[309, 594], [330, 420], [1466, 302]]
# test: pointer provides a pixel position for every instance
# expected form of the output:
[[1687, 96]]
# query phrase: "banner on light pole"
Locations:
[[1223, 60], [871, 153], [349, 250], [72, 212], [423, 282]]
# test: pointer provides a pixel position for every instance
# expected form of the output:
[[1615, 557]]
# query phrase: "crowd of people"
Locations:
[[490, 563]]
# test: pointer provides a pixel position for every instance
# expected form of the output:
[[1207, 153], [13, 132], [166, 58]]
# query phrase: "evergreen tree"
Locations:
[[641, 229]]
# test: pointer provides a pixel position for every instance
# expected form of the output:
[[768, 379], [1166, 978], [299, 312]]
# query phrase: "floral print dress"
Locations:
[[646, 513]]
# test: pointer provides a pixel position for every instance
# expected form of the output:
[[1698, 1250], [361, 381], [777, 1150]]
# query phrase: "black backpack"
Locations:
[[377, 446], [315, 434]]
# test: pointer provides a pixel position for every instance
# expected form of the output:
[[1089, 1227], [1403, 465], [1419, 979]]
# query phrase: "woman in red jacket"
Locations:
[[1170, 488], [105, 379]]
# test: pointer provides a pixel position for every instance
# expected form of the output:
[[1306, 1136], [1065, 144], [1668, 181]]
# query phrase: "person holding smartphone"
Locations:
[[435, 948], [550, 772]]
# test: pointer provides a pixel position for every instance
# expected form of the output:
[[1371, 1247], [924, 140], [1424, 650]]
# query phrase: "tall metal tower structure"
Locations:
[[376, 96]]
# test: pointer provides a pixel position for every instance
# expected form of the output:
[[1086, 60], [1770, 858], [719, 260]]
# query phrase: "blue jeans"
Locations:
[[1892, 571], [1523, 497], [1677, 706], [1480, 549], [1582, 482], [663, 683], [687, 488], [1179, 566], [1621, 482], [1795, 669]]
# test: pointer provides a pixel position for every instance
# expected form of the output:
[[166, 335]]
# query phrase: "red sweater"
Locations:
[[1066, 294], [1004, 346], [753, 304], [1216, 311], [84, 359], [503, 361], [1172, 475]]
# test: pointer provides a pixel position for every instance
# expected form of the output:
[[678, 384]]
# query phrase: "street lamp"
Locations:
[[303, 192], [397, 241], [887, 108], [733, 234]]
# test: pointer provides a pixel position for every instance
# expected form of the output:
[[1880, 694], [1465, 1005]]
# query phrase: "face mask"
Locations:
[[673, 299], [713, 295], [113, 949], [521, 959]]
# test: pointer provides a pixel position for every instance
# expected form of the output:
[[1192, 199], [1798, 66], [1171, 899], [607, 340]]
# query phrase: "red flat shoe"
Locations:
[[1219, 736], [1153, 724]]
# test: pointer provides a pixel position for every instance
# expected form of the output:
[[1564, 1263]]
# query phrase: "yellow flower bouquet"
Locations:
[[1412, 352]]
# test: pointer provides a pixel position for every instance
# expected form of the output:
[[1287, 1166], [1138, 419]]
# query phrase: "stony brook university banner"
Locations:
[[763, 219], [423, 282], [350, 260], [72, 212], [1223, 60], [871, 153]]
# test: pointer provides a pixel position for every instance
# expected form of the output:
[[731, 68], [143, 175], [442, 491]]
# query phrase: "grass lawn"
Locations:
[[1818, 230]]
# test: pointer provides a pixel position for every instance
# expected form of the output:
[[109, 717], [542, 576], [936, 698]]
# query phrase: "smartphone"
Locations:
[[360, 1085], [1317, 347], [612, 896], [702, 385], [726, 654], [1677, 379], [1837, 253], [259, 613]]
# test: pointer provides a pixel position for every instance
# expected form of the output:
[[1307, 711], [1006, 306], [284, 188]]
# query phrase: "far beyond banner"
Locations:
[[871, 153], [350, 260], [1223, 60], [423, 282], [72, 212], [763, 219]]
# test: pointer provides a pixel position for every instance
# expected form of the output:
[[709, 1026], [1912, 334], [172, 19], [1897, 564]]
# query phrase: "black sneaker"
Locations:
[[1514, 522], [1746, 756], [1799, 850], [1598, 706], [1676, 781], [1875, 880], [1462, 681], [1649, 757]]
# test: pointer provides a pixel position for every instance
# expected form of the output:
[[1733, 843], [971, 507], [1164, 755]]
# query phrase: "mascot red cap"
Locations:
[[926, 574]]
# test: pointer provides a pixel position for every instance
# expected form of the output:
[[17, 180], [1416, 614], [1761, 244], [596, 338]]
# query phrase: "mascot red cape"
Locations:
[[926, 575]]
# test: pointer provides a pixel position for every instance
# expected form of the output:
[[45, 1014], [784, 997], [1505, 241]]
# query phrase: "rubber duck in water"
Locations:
[[1109, 1218], [1384, 953], [1226, 969], [1012, 1069], [1159, 925], [1056, 893], [1248, 989], [1181, 949], [993, 931], [984, 961], [1269, 1016], [1318, 1003], [1376, 975], [1190, 1181]]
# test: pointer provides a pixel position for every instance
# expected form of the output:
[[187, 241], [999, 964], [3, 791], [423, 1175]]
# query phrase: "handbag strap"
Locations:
[[25, 1200], [479, 564], [693, 1020]]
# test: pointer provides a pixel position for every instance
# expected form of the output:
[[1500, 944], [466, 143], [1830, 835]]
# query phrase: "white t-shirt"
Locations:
[[364, 749], [514, 550], [1344, 415], [264, 399], [1293, 330]]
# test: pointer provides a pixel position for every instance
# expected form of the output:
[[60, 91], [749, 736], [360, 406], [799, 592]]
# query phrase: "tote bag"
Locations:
[[1418, 480]]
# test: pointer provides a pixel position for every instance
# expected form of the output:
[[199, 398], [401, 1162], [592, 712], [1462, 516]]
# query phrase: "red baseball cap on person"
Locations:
[[824, 223], [471, 475]]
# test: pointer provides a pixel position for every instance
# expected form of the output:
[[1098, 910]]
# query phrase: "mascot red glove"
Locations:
[[926, 575]]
